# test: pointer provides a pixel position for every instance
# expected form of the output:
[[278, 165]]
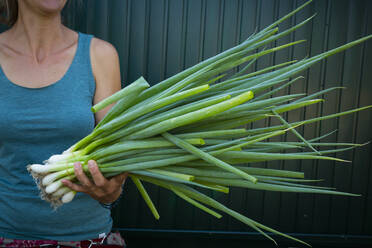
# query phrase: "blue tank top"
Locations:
[[35, 124]]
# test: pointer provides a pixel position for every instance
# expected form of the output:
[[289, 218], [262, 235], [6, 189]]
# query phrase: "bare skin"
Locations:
[[38, 50]]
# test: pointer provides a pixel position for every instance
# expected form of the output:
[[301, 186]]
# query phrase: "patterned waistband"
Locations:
[[112, 240]]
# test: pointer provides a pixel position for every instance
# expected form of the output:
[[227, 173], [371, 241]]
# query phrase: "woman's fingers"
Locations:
[[98, 179], [73, 186], [80, 175]]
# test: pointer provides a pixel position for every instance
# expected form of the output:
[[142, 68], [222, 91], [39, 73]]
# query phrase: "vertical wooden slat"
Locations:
[[298, 52], [247, 27], [211, 28], [152, 73], [337, 36], [135, 69], [192, 38], [125, 36], [350, 75], [209, 48], [137, 40], [90, 5], [267, 13], [215, 223], [184, 220], [157, 36], [288, 201], [367, 63], [146, 38], [362, 134], [254, 203], [194, 46], [250, 24], [167, 201], [272, 201], [238, 196], [118, 32], [101, 19], [305, 201], [320, 202], [80, 15], [229, 39]]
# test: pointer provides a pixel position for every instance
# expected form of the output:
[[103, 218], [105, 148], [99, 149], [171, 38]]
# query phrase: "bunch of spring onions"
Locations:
[[185, 133]]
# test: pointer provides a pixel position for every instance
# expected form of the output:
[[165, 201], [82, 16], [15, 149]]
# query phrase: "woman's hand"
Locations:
[[102, 189]]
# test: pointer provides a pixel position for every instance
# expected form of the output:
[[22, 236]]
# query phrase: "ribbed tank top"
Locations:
[[36, 123]]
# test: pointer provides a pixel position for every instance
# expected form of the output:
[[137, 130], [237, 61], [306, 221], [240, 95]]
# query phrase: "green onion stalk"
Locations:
[[187, 132]]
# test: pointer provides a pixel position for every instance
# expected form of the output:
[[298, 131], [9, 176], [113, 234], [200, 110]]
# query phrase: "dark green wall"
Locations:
[[157, 38]]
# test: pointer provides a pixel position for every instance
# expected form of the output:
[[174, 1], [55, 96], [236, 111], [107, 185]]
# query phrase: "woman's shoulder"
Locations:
[[103, 54], [102, 49]]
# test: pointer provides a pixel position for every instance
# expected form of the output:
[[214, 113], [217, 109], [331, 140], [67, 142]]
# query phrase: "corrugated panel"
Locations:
[[159, 38]]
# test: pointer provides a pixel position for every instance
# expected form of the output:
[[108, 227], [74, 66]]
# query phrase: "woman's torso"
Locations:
[[36, 123]]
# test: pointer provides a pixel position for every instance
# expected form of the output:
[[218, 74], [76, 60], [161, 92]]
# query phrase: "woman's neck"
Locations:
[[40, 35]]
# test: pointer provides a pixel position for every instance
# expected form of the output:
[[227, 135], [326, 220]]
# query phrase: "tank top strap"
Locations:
[[83, 50], [81, 68]]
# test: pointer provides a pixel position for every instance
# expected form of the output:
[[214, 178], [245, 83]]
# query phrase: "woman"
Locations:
[[49, 78]]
